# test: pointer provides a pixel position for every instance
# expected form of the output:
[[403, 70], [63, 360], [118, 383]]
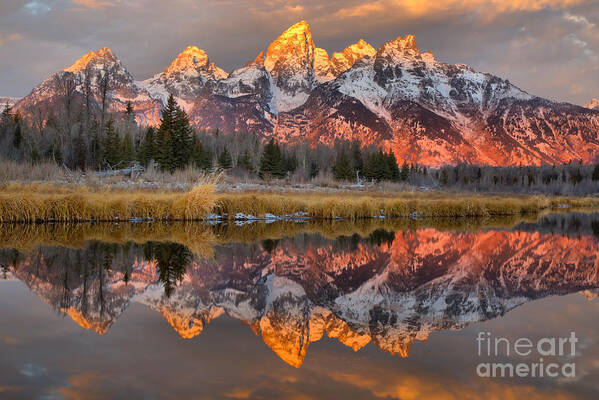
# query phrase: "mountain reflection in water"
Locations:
[[387, 287]]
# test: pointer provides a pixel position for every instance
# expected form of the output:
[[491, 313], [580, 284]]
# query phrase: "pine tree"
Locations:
[[17, 140], [343, 169], [181, 140], [370, 169], [80, 151], [128, 150], [146, 147], [164, 137], [596, 173], [34, 155], [405, 171], [290, 163], [271, 162], [224, 159], [444, 178], [174, 138], [245, 161], [394, 173], [357, 161], [201, 157], [313, 170], [111, 145]]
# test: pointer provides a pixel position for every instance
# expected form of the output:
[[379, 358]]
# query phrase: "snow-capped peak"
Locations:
[[342, 61], [102, 56], [294, 47], [593, 104], [399, 48], [194, 61], [191, 58]]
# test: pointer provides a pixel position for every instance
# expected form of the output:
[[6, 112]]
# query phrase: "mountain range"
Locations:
[[396, 97]]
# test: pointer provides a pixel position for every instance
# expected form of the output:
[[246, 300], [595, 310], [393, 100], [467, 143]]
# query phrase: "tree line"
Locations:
[[101, 140]]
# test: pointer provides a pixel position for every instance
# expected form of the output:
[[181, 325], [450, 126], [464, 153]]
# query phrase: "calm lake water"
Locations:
[[382, 309]]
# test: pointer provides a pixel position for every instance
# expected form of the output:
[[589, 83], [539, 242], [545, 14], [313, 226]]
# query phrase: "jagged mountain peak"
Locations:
[[259, 60], [293, 46], [299, 28], [593, 104], [342, 61], [103, 56], [190, 58], [194, 61], [399, 48]]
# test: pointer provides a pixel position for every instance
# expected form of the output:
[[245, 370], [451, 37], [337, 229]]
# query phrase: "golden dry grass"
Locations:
[[44, 202], [32, 203], [353, 206]]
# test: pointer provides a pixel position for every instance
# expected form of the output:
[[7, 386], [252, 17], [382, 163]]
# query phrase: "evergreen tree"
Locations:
[[165, 136], [245, 161], [357, 161], [182, 139], [34, 155], [394, 173], [313, 170], [128, 150], [96, 150], [596, 173], [271, 162], [405, 171], [111, 145], [201, 157], [174, 138], [80, 152], [129, 112], [444, 178], [290, 163], [146, 147], [17, 139], [224, 159], [343, 169], [370, 168]]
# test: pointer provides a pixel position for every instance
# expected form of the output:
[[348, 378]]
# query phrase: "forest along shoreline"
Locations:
[[214, 202]]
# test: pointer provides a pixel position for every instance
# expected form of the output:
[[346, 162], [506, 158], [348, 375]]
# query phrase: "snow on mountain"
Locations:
[[91, 67], [185, 78], [397, 97], [8, 101], [342, 61], [593, 104]]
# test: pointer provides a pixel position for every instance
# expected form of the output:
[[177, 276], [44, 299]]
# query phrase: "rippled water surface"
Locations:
[[387, 309]]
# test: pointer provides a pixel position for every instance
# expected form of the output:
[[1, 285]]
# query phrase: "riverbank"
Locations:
[[52, 203]]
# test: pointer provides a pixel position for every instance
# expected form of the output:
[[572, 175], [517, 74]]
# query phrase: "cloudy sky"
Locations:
[[546, 47]]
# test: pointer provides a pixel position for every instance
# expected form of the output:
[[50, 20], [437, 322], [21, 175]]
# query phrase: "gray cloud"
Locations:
[[547, 47]]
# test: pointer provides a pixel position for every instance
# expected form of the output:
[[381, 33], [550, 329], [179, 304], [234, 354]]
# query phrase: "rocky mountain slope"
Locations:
[[396, 97], [69, 85]]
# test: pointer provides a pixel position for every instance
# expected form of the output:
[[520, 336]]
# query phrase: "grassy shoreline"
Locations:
[[49, 203]]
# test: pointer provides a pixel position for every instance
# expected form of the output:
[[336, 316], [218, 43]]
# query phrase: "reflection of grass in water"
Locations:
[[200, 238], [25, 237]]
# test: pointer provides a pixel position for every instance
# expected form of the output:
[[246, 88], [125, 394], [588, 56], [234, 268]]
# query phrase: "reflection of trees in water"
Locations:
[[570, 224], [269, 245], [172, 260]]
